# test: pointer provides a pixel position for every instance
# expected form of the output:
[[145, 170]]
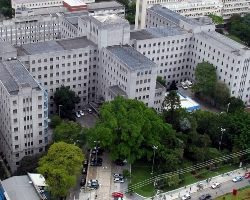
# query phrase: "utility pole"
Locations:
[[59, 112], [96, 143], [221, 136], [154, 148]]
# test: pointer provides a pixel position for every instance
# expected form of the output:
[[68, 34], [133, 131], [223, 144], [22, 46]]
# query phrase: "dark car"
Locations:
[[120, 162], [95, 162], [83, 182], [93, 184], [205, 197]]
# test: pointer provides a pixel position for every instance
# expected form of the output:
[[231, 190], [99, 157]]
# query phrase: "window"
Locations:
[[14, 102], [14, 111]]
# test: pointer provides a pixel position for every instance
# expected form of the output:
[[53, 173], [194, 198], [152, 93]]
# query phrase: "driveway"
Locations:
[[88, 120]]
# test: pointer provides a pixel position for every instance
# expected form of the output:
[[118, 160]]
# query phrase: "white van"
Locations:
[[184, 85], [189, 83]]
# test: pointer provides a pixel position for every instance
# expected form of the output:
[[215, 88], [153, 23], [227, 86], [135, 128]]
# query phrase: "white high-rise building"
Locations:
[[193, 8], [24, 116]]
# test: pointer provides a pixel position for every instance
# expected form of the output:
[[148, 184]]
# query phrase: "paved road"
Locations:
[[225, 188]]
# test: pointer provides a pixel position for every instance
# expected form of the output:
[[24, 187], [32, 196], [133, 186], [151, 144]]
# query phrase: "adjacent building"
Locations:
[[193, 8], [24, 113]]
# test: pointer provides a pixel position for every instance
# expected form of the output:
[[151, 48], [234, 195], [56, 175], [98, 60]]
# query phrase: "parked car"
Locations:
[[89, 110], [189, 83], [119, 180], [93, 183], [247, 175], [85, 169], [95, 162], [184, 86], [83, 182], [120, 162], [81, 112], [215, 185], [117, 194], [85, 163], [186, 197], [205, 197], [237, 179], [77, 113], [115, 175]]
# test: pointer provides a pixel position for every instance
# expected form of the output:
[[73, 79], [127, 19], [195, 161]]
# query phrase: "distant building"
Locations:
[[106, 7], [26, 187], [193, 8]]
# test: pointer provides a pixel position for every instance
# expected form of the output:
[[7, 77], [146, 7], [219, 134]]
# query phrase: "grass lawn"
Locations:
[[141, 171], [243, 194]]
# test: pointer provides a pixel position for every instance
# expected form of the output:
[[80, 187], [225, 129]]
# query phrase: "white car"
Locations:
[[81, 112], [237, 179], [186, 197], [215, 185], [189, 83], [78, 115], [118, 180], [184, 86]]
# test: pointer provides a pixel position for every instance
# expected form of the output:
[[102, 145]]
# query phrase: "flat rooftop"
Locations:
[[31, 1], [220, 41], [14, 75], [110, 19], [131, 58], [75, 2], [20, 188], [157, 32], [6, 47], [54, 46], [104, 5]]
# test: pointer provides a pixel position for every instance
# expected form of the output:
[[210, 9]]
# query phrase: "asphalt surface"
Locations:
[[225, 188]]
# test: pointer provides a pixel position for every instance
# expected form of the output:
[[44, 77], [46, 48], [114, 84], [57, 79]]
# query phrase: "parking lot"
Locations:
[[88, 120]]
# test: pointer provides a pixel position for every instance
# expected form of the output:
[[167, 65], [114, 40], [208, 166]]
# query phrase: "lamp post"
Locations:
[[228, 107], [221, 136], [59, 112], [96, 142], [154, 148]]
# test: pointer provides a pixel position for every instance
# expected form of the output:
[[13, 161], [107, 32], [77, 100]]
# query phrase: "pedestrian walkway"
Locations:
[[193, 188]]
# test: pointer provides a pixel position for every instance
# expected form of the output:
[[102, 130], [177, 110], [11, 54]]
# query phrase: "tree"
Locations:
[[69, 132], [221, 94], [216, 19], [171, 103], [205, 79], [129, 130], [235, 104], [173, 86], [67, 99], [28, 164], [60, 167], [55, 121], [161, 80]]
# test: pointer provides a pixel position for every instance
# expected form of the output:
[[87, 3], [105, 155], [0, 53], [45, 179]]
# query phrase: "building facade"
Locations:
[[24, 115], [193, 8]]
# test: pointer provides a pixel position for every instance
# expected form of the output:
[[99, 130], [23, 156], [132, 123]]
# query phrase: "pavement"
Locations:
[[88, 120], [227, 185]]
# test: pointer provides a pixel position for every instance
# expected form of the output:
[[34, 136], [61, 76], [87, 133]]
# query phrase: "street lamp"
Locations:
[[228, 106], [96, 142], [60, 110], [221, 136], [154, 148]]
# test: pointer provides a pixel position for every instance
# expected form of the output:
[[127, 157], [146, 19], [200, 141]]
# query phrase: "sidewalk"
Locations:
[[178, 193]]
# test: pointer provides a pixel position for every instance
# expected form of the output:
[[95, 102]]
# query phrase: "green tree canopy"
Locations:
[[205, 79], [221, 94], [129, 130], [161, 80], [60, 167], [216, 19], [171, 104], [69, 132], [67, 99], [235, 105]]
